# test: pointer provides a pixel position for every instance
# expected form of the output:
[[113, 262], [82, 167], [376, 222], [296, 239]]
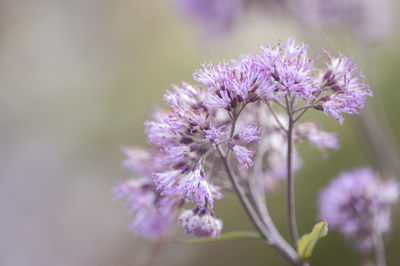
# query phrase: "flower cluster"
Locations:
[[230, 116], [345, 92], [186, 138], [336, 90], [357, 203]]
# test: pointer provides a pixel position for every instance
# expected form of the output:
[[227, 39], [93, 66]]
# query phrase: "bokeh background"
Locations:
[[78, 78]]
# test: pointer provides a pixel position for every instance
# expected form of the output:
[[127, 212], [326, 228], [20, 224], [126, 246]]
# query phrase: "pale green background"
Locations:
[[79, 78]]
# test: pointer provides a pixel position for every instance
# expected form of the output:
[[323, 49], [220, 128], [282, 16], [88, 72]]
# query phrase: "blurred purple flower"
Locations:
[[213, 16], [153, 213], [312, 132], [358, 204], [369, 20]]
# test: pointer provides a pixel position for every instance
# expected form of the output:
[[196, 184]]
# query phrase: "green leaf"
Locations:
[[226, 236], [306, 243]]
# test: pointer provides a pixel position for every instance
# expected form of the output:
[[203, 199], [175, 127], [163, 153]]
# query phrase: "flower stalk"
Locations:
[[291, 211]]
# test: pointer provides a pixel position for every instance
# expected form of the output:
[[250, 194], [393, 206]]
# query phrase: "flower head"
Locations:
[[230, 85], [154, 214], [345, 91], [249, 132], [190, 184], [200, 223], [357, 203], [192, 135], [243, 154], [214, 135], [289, 69]]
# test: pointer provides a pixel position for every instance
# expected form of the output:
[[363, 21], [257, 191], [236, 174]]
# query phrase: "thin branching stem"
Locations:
[[280, 104], [302, 108], [276, 118], [288, 253], [261, 206], [290, 202], [300, 115]]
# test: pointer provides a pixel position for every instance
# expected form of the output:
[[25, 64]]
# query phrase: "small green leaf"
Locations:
[[226, 236], [306, 243]]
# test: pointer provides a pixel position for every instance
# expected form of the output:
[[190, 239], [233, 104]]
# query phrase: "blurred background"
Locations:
[[79, 78]]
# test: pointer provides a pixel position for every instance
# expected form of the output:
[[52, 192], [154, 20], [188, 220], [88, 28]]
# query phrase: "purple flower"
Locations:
[[200, 223], [166, 180], [284, 70], [154, 214], [187, 108], [179, 153], [249, 132], [191, 185], [230, 85], [213, 135], [159, 132], [194, 187], [220, 100], [288, 69], [357, 203], [345, 92], [192, 136], [243, 154]]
